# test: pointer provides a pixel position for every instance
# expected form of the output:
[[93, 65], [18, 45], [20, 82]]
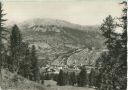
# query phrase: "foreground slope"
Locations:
[[15, 82]]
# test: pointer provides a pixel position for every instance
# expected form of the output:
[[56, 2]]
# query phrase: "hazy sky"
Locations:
[[84, 12]]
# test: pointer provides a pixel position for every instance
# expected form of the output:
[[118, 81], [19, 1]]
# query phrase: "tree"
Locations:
[[108, 31], [98, 79], [25, 65], [42, 79], [92, 77], [55, 77], [108, 59], [113, 66], [35, 66], [47, 76], [15, 46], [2, 29], [121, 64], [103, 74], [66, 76], [61, 79], [73, 79], [82, 78]]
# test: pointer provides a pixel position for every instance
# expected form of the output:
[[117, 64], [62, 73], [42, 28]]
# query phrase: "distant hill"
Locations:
[[53, 37]]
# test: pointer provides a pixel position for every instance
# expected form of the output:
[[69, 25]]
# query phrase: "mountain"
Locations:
[[54, 38], [49, 22]]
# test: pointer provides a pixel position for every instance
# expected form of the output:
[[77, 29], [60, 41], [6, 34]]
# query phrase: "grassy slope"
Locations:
[[51, 85], [68, 88], [16, 82]]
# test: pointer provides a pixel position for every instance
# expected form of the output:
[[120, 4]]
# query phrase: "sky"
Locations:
[[83, 12]]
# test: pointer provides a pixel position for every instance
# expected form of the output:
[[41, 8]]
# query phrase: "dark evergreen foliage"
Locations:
[[112, 65], [25, 65], [121, 64], [15, 46], [2, 29], [73, 78], [61, 78], [23, 60], [34, 65], [82, 78], [91, 78]]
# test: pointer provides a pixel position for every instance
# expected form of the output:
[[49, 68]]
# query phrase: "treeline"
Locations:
[[73, 78], [81, 78], [16, 55], [66, 78]]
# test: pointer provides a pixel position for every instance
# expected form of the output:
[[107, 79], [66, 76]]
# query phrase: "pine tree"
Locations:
[[108, 31], [15, 45], [25, 65], [101, 67], [92, 78], [35, 66], [121, 44], [114, 63], [47, 76], [2, 29], [61, 79], [55, 77], [42, 79], [107, 59], [67, 80], [104, 76], [98, 79], [82, 78], [73, 78]]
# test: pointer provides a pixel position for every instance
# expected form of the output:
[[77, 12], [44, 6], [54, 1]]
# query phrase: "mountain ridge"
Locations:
[[58, 22], [53, 37]]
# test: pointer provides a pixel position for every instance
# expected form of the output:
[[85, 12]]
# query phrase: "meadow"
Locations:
[[51, 85]]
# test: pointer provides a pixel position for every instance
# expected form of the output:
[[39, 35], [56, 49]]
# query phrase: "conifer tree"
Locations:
[[92, 77], [61, 79], [15, 45], [67, 80], [25, 65], [98, 79], [114, 66], [73, 78], [108, 59], [42, 79], [100, 68], [108, 31], [82, 78], [2, 29], [121, 45], [35, 66]]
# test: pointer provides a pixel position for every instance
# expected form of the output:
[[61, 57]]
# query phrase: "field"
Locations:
[[51, 85], [68, 88]]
